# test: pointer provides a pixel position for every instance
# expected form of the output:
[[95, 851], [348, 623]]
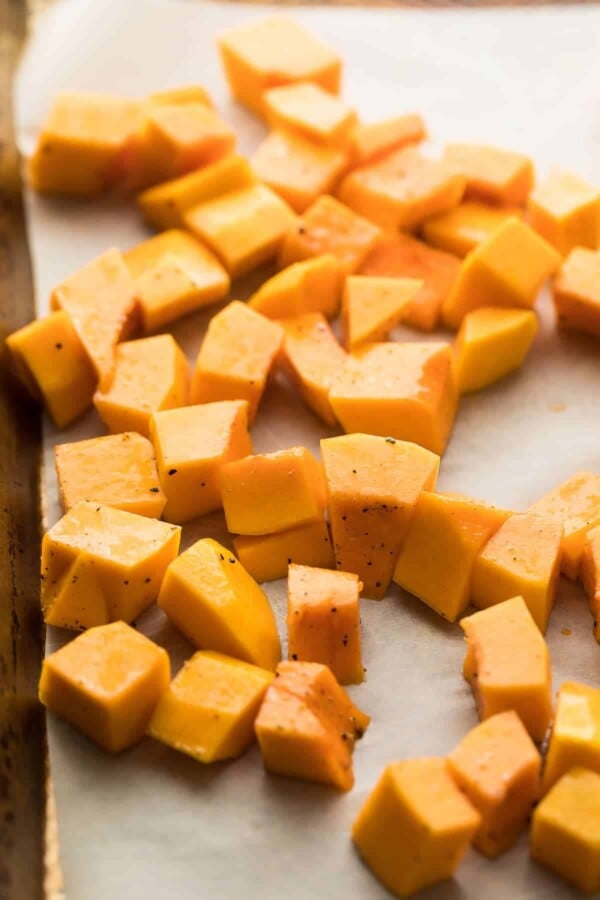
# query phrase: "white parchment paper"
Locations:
[[152, 823]]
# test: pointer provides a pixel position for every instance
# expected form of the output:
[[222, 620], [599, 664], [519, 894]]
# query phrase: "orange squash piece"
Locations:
[[492, 174], [576, 292], [190, 93], [370, 141], [373, 306], [463, 228], [590, 575], [310, 111], [311, 286], [565, 210], [267, 556], [575, 736]]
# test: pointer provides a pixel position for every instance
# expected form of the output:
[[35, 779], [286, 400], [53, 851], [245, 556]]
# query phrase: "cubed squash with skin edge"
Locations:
[[133, 485], [213, 601], [565, 210], [590, 575], [575, 736], [311, 286], [444, 537], [151, 374], [106, 683], [373, 484], [191, 446], [209, 709], [492, 174], [491, 343], [191, 93], [267, 556], [497, 766], [507, 664], [415, 826], [576, 292], [271, 492], [323, 620], [373, 306], [310, 111], [463, 228], [372, 140]]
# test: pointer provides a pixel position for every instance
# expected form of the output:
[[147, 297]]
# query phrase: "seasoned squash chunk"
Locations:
[[415, 826], [50, 360], [463, 228], [310, 111], [236, 356], [373, 306], [267, 556], [132, 485], [323, 620], [174, 275], [208, 711], [151, 374], [373, 484], [311, 286], [191, 445], [101, 564], [575, 737], [274, 51], [402, 189], [406, 390], [493, 175], [576, 292], [213, 601], [497, 767], [590, 575], [445, 535], [508, 665], [307, 726], [272, 491], [371, 141], [328, 226], [491, 343], [402, 256], [191, 93], [565, 210]]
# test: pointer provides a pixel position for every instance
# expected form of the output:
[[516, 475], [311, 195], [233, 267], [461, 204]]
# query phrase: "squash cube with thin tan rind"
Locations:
[[590, 575], [415, 826], [106, 683], [310, 111], [370, 141], [565, 210], [311, 286], [373, 484], [272, 491], [492, 174], [463, 228], [213, 601], [575, 737], [576, 292], [508, 665], [405, 390], [491, 343], [236, 356], [191, 446], [323, 620], [267, 556], [208, 712], [373, 306], [101, 564], [151, 374], [445, 535], [133, 485], [191, 93], [497, 767]]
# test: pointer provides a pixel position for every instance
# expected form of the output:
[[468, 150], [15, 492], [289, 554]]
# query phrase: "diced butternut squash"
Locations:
[[508, 665], [373, 306], [208, 712], [272, 491], [323, 620], [236, 356], [463, 228], [405, 390], [575, 737], [101, 564], [310, 111], [267, 556], [191, 445], [576, 292], [497, 767], [565, 210], [117, 470], [151, 374], [402, 256], [445, 535], [415, 826], [213, 601], [371, 141], [373, 484], [191, 93], [491, 343], [311, 286], [492, 174], [274, 51], [590, 575]]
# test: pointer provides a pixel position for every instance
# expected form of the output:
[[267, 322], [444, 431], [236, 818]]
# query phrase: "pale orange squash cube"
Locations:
[[590, 575], [575, 736], [576, 292], [492, 174], [463, 228], [310, 111], [267, 556], [565, 210], [190, 93], [372, 306], [491, 343], [371, 141], [311, 286]]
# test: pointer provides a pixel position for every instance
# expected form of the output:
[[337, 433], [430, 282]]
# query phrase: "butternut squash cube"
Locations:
[[272, 491], [463, 228], [82, 470], [406, 390], [174, 275], [151, 374], [191, 445], [415, 826], [311, 286], [208, 711], [493, 175], [101, 564], [213, 601], [323, 620], [402, 190], [491, 343], [576, 292], [590, 575], [327, 226], [565, 830], [373, 306], [106, 683], [101, 299], [236, 356], [497, 767], [402, 256], [444, 537], [371, 141], [565, 210], [373, 484], [50, 360], [191, 93], [311, 111], [575, 737], [274, 51], [507, 665], [267, 556]]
